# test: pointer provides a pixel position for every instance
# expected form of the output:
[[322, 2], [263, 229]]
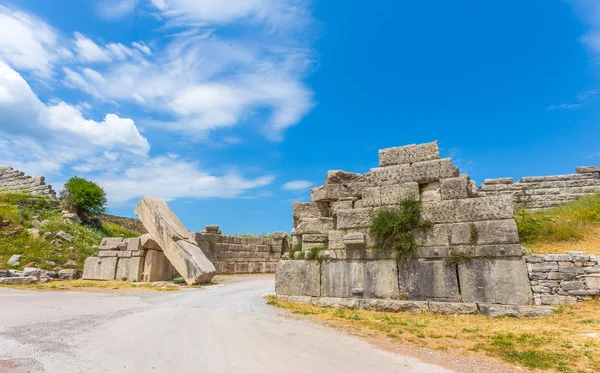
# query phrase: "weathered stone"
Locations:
[[69, 274], [396, 194], [425, 172], [455, 187], [557, 258], [336, 239], [299, 299], [544, 267], [360, 279], [428, 280], [111, 243], [500, 281], [18, 280], [430, 191], [587, 169], [175, 240], [561, 276], [541, 289], [321, 238], [485, 208], [313, 226], [503, 310], [409, 154], [130, 269], [341, 177], [100, 268], [301, 210], [156, 267], [14, 260], [279, 235], [557, 299], [453, 308], [593, 281], [356, 218], [535, 258], [436, 235], [32, 272], [107, 253], [327, 193], [572, 285], [350, 303], [147, 242], [584, 292], [392, 305], [502, 180], [346, 204], [64, 236], [354, 241], [298, 277], [484, 232]]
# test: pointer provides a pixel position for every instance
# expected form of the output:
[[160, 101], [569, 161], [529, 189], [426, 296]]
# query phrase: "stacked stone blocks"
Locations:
[[16, 181], [338, 218]]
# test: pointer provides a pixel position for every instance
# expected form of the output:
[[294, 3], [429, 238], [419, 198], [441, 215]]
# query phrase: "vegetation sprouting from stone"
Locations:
[[455, 257], [313, 253], [474, 234], [393, 228]]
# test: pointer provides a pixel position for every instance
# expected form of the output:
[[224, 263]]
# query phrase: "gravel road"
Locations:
[[220, 328]]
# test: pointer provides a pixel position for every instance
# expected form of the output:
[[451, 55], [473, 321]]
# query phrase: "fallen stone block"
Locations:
[[18, 280], [69, 274], [504, 310], [148, 243], [175, 240]]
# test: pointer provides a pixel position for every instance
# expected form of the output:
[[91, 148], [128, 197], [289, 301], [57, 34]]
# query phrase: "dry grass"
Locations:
[[91, 285], [566, 341], [590, 243]]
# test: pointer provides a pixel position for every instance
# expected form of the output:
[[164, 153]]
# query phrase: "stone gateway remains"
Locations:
[[469, 259]]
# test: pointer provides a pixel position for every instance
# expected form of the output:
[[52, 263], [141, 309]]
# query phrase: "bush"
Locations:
[[84, 197], [393, 228]]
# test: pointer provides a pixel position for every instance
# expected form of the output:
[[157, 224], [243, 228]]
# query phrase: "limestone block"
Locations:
[[587, 169], [133, 244], [392, 305], [313, 226], [424, 172], [355, 218], [430, 191], [409, 154], [359, 279], [301, 210], [557, 299], [156, 267], [455, 187], [396, 194], [321, 238], [354, 241], [484, 232], [342, 177], [147, 242], [485, 208], [349, 303], [130, 269], [326, 193], [503, 310], [593, 281], [175, 240], [503, 180], [371, 197], [111, 243], [336, 240], [389, 175], [501, 281], [96, 268], [19, 280], [298, 277], [437, 235], [346, 204], [428, 280], [472, 190], [107, 253], [453, 308], [440, 212]]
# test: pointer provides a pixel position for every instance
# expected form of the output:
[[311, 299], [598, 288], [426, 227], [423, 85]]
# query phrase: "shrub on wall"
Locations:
[[83, 197]]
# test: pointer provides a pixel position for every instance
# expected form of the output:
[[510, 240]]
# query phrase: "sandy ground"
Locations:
[[220, 328]]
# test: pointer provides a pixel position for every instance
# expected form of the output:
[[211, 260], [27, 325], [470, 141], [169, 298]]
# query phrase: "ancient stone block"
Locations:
[[96, 268], [428, 280], [593, 281], [147, 242], [301, 210], [430, 191], [326, 193], [425, 172], [409, 154], [392, 305], [484, 232], [342, 177], [371, 197], [485, 208], [336, 240], [356, 218], [359, 279], [453, 308], [111, 243], [298, 277], [572, 285], [587, 169], [354, 241], [389, 175], [455, 187], [108, 253], [440, 212], [396, 194], [346, 204], [321, 238], [557, 299], [503, 180], [130, 269], [436, 235], [156, 267], [349, 303], [501, 281], [503, 310], [313, 226]]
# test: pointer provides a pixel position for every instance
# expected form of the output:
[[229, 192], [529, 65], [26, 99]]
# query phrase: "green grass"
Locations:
[[249, 235], [568, 222], [113, 230]]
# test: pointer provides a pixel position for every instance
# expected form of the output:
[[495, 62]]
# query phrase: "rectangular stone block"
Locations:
[[371, 197], [111, 243], [389, 175], [108, 253], [301, 210], [440, 212], [436, 235], [593, 282], [156, 267], [485, 208], [355, 218], [241, 267], [313, 226], [587, 169], [327, 193], [96, 268], [501, 281], [484, 232], [336, 240], [130, 269], [345, 204], [175, 240], [455, 187], [428, 280], [424, 172], [359, 279], [298, 278], [322, 238], [409, 154], [502, 180], [396, 194]]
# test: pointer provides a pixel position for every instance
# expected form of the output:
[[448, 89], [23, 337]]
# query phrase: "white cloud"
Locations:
[[117, 8], [88, 51], [28, 43], [297, 185], [167, 178], [142, 48], [589, 12], [579, 101]]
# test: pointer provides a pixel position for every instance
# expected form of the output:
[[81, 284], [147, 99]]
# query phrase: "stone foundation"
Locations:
[[541, 192], [16, 181]]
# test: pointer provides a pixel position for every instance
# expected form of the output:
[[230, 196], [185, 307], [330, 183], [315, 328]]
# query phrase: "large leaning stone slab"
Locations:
[[359, 279], [175, 240], [96, 268], [428, 280], [298, 278], [500, 281]]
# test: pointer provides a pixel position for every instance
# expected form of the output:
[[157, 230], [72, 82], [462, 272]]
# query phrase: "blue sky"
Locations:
[[234, 109]]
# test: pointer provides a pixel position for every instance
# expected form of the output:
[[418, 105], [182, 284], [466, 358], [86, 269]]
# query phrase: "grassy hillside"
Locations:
[[572, 226], [18, 213]]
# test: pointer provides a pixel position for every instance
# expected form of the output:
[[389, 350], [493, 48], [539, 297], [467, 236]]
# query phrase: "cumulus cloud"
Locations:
[[169, 178], [297, 185]]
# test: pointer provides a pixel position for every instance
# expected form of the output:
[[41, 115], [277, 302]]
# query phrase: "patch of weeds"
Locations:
[[313, 253], [392, 229], [474, 238], [518, 349], [471, 331], [588, 321], [456, 257]]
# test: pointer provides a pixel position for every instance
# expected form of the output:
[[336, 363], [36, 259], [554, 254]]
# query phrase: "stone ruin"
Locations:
[[542, 192], [169, 250], [16, 181], [454, 270]]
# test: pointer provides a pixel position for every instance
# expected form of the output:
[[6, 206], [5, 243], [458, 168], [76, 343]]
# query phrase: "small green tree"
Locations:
[[83, 197]]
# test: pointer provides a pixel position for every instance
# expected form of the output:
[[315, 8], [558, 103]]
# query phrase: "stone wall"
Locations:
[[337, 222], [16, 181], [564, 278], [235, 255], [541, 192]]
